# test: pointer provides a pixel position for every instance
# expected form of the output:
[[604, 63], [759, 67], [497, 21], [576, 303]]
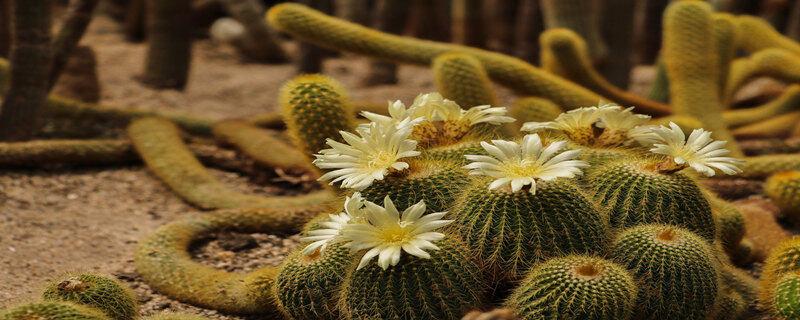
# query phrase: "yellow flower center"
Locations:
[[383, 159], [521, 169], [395, 235]]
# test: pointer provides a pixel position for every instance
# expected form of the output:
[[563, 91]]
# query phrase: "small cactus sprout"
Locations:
[[603, 126], [575, 287], [440, 121], [97, 291], [531, 210], [53, 310], [370, 155], [676, 270]]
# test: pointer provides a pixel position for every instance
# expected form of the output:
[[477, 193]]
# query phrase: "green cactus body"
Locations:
[[445, 286], [564, 53], [455, 152], [174, 316], [436, 182], [461, 78], [163, 259], [306, 286], [315, 108], [575, 287], [511, 231], [725, 38], [766, 165], [676, 270], [730, 223], [636, 194], [787, 102], [731, 307], [159, 144], [758, 34], [599, 156], [53, 310], [784, 189], [100, 292], [582, 17], [740, 281], [786, 304], [313, 26], [783, 259], [68, 152], [659, 91], [690, 56]]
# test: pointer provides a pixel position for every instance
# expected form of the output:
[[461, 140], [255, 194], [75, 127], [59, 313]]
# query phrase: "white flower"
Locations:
[[644, 135], [368, 156], [329, 231], [434, 107], [520, 165], [573, 120], [398, 115], [622, 119], [485, 114], [385, 233], [699, 151]]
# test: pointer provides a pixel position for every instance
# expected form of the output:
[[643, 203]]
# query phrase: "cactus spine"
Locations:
[[638, 195], [773, 62], [783, 259], [575, 287], [686, 284], [100, 292], [510, 231], [788, 101], [264, 146], [766, 165], [71, 152], [445, 286], [687, 52], [784, 189], [461, 78], [787, 297], [758, 34], [315, 108], [437, 182]]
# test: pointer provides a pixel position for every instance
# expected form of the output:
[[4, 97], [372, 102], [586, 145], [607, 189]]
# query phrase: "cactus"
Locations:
[[453, 153], [315, 108], [53, 310], [306, 286], [69, 152], [731, 307], [725, 38], [258, 43], [729, 221], [659, 90], [461, 78], [582, 17], [445, 286], [766, 165], [788, 101], [564, 53], [468, 22], [169, 51], [75, 21], [778, 126], [97, 291], [264, 146], [636, 194], [740, 281], [575, 287], [390, 16], [159, 144], [787, 297], [783, 259], [686, 122], [692, 68], [770, 146], [776, 63], [79, 79], [686, 283], [163, 259], [436, 182], [510, 231], [310, 25], [534, 109], [174, 316], [618, 31], [757, 34], [784, 189]]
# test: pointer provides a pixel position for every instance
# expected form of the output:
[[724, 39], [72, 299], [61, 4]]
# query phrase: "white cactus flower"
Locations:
[[329, 231], [573, 120], [369, 156], [519, 165], [698, 151], [621, 120], [385, 233]]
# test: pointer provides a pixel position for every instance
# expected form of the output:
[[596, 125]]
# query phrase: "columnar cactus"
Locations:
[[461, 78], [784, 189], [575, 287]]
